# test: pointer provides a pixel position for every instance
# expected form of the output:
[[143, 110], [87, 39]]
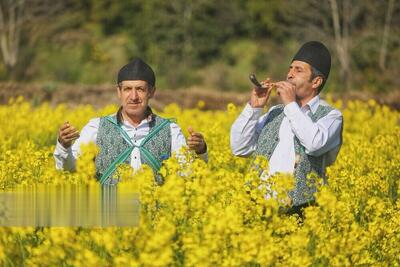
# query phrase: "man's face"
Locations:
[[134, 97], [300, 75]]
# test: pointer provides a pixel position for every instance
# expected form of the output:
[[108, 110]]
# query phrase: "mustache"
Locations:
[[134, 102]]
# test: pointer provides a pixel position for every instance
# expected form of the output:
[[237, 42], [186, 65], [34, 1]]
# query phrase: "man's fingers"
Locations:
[[69, 138], [71, 135], [283, 87], [266, 83], [195, 144], [284, 84], [279, 90], [199, 148], [65, 126], [261, 92], [195, 139], [279, 85], [68, 130], [190, 130], [197, 135]]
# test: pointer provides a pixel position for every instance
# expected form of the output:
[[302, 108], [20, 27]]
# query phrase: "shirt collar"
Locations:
[[147, 120], [313, 104]]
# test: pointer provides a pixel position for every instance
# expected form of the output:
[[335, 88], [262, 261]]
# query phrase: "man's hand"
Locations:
[[67, 134], [260, 96], [196, 142], [286, 91]]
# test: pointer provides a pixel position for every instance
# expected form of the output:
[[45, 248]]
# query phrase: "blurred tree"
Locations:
[[180, 35], [188, 41], [17, 21], [341, 31], [11, 19], [269, 19], [386, 34], [353, 29]]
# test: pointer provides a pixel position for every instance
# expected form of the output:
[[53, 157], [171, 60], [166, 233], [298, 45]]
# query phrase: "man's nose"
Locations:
[[290, 75], [133, 94]]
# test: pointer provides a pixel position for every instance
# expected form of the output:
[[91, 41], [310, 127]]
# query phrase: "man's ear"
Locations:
[[119, 91], [317, 82], [152, 91]]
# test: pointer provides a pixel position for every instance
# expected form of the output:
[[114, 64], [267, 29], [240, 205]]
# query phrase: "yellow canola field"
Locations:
[[213, 214]]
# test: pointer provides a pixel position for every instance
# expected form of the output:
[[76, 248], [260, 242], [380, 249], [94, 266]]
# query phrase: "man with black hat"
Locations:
[[134, 135], [300, 136]]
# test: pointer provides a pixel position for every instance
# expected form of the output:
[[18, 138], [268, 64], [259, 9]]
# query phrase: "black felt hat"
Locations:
[[137, 69], [317, 55]]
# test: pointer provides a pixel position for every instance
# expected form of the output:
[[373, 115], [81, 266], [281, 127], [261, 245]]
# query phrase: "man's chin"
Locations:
[[134, 111]]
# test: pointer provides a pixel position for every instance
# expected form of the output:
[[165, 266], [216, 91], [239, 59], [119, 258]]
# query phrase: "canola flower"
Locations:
[[213, 214]]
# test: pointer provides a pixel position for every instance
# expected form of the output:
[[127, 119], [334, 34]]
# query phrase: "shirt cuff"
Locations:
[[252, 113], [61, 150], [292, 109]]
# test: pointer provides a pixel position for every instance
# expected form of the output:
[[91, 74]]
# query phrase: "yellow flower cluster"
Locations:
[[213, 214]]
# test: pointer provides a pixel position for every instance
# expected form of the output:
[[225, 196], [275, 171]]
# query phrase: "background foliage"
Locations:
[[214, 44]]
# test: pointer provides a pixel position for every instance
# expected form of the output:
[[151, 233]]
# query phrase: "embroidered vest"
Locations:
[[305, 164], [113, 144]]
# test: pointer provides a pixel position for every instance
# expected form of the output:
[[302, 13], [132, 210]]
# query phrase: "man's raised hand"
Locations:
[[67, 135], [196, 142], [286, 91], [260, 95]]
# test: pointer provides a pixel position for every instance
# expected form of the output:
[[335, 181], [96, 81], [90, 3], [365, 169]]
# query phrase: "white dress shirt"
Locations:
[[317, 137], [65, 158]]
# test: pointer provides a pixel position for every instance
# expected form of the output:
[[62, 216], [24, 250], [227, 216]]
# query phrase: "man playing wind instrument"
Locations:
[[134, 135], [300, 136]]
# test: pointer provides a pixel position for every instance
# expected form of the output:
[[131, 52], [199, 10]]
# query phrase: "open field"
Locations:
[[102, 95], [212, 214]]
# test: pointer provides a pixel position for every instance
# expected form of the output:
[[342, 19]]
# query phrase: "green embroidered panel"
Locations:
[[269, 136], [268, 140], [111, 144]]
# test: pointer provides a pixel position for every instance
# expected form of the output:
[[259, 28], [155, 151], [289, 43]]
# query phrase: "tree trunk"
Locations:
[[342, 37], [383, 50], [11, 19]]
